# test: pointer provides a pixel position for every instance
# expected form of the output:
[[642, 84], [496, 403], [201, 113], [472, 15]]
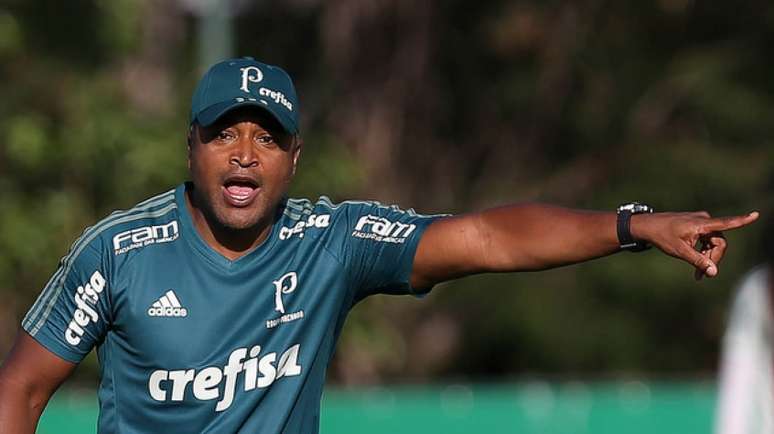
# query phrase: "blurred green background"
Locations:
[[441, 106]]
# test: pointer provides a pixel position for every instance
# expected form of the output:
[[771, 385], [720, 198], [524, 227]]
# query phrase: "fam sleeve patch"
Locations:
[[377, 244]]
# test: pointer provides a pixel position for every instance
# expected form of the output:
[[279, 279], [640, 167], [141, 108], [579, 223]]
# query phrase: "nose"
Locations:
[[244, 154]]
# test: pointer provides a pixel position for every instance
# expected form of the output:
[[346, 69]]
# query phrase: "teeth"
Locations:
[[239, 192]]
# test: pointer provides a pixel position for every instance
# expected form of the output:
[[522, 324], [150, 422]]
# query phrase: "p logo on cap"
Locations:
[[246, 77]]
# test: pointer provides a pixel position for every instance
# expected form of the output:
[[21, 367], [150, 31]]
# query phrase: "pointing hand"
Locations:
[[695, 237]]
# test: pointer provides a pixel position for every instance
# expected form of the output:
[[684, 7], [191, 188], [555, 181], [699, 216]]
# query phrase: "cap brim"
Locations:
[[214, 112]]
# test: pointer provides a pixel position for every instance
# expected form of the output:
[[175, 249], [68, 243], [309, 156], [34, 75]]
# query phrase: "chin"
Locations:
[[238, 219]]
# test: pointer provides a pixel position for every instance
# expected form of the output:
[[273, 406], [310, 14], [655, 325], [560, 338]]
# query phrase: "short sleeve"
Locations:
[[377, 244], [72, 313]]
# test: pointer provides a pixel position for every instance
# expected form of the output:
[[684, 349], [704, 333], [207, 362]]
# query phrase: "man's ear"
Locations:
[[297, 152], [189, 139]]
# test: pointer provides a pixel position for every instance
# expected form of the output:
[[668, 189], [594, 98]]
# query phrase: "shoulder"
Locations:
[[300, 215], [296, 208], [117, 232], [373, 206], [304, 214], [351, 220], [365, 210], [324, 212]]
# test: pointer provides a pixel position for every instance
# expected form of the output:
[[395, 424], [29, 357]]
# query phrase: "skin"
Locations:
[[248, 144], [28, 377]]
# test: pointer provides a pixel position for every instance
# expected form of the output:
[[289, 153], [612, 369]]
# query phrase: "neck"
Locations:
[[229, 242]]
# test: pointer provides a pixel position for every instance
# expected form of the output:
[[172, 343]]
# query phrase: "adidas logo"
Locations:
[[167, 305]]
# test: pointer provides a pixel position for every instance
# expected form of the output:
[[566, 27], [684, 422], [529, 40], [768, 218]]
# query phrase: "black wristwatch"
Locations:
[[625, 213]]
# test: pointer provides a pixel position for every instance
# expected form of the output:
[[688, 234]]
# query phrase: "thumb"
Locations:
[[701, 262]]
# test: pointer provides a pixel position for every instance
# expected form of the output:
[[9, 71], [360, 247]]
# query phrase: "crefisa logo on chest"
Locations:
[[283, 286]]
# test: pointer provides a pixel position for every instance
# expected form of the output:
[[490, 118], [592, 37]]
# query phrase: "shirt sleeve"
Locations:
[[72, 313], [377, 247]]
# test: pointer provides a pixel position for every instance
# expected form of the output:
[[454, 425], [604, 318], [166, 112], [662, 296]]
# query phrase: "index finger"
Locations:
[[728, 223]]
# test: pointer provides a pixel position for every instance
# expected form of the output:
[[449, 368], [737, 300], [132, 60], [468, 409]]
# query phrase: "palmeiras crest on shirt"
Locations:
[[285, 285]]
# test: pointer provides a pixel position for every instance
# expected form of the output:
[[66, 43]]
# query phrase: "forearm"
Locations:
[[19, 408], [539, 236], [29, 375]]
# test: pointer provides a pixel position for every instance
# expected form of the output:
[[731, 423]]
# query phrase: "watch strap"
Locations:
[[623, 226]]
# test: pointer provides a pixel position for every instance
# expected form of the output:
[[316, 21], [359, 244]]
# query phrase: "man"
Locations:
[[216, 307]]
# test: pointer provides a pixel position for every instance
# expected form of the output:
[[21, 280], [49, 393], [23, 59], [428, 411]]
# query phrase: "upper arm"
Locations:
[[451, 247], [516, 237], [508, 238]]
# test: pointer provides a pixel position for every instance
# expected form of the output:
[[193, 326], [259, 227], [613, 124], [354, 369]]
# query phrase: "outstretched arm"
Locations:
[[537, 236], [28, 377]]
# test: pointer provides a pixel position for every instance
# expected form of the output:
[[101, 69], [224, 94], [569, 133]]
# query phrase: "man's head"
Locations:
[[243, 142]]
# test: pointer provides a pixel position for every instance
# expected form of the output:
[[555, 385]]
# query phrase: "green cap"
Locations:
[[243, 82]]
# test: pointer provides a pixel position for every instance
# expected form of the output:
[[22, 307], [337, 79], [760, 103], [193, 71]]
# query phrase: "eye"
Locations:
[[225, 135], [266, 140]]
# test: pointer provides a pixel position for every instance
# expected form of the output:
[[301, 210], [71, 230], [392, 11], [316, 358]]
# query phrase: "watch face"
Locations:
[[640, 208], [635, 208]]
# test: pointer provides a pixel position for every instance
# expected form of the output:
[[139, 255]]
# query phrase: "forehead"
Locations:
[[251, 114]]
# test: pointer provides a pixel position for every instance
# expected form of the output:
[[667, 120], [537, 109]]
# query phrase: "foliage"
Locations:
[[433, 105]]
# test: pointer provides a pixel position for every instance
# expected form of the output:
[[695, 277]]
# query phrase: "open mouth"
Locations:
[[240, 191]]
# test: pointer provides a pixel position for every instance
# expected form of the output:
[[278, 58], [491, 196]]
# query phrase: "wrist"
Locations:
[[638, 226], [632, 233]]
